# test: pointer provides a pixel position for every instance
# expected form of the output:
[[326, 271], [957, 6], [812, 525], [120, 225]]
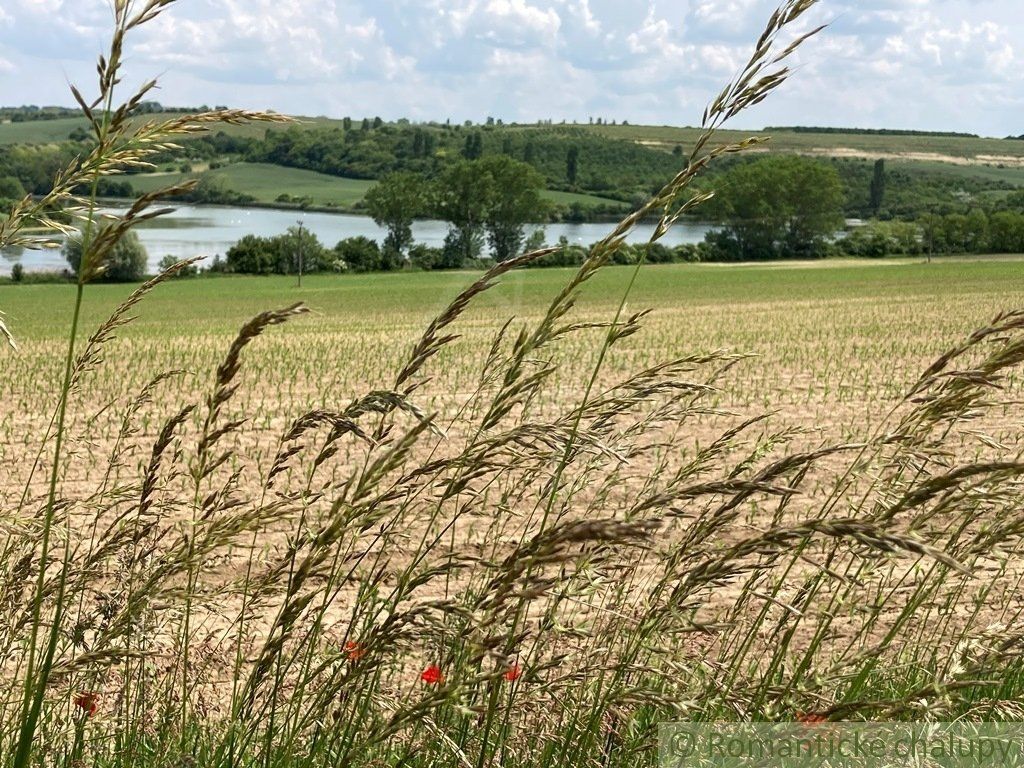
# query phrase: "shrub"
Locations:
[[359, 254], [170, 260], [126, 262]]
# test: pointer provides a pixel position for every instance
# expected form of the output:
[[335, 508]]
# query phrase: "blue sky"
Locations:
[[931, 64]]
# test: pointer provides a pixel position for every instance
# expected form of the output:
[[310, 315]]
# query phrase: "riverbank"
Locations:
[[210, 230]]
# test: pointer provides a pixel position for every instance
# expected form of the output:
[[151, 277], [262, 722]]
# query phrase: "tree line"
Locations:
[[484, 201], [569, 158]]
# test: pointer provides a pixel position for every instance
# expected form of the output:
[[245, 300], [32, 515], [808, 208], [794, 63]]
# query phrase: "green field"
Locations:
[[792, 141], [48, 131], [222, 304], [671, 432], [266, 182], [45, 131]]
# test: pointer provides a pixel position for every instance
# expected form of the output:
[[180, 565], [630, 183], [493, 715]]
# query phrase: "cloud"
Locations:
[[943, 64]]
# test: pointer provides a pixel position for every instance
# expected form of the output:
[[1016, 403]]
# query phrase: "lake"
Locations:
[[211, 230]]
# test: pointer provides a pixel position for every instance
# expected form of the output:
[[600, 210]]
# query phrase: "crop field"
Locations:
[[507, 519], [952, 148], [348, 455], [825, 352]]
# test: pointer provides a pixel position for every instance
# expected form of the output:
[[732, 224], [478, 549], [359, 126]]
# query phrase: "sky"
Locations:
[[954, 65]]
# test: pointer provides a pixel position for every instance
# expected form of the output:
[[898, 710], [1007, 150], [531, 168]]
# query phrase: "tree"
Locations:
[[11, 188], [278, 255], [474, 148], [956, 226], [572, 165], [126, 262], [461, 198], [933, 234], [252, 255], [1006, 232], [394, 204], [878, 187], [170, 260], [776, 207], [359, 254], [529, 152], [298, 242], [515, 200]]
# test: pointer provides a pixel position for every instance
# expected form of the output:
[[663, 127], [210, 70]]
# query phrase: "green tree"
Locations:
[[474, 147], [878, 187], [957, 229], [572, 165], [299, 243], [514, 201], [170, 260], [933, 234], [126, 262], [394, 204], [1006, 232], [252, 255], [462, 199], [11, 188], [977, 240], [777, 207], [359, 254]]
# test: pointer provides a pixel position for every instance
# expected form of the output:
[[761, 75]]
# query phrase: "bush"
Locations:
[[359, 254], [126, 262], [279, 255], [424, 257], [17, 273], [170, 260]]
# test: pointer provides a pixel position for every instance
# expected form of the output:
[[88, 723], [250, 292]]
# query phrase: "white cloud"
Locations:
[[899, 63]]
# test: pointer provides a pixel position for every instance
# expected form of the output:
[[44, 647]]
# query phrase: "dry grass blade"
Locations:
[[6, 334]]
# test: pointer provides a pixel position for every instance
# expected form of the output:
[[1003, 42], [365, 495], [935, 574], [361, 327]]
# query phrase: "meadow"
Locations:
[[513, 518], [265, 183], [800, 360]]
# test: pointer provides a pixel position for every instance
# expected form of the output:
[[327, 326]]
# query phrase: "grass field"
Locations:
[[513, 519], [823, 334], [266, 182], [983, 149], [346, 520], [46, 131]]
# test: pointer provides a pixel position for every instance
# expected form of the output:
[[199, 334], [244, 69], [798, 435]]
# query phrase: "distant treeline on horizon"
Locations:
[[872, 131], [29, 112]]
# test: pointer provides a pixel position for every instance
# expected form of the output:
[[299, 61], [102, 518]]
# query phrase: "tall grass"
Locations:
[[524, 580]]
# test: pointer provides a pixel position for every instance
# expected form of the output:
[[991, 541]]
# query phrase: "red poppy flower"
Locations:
[[432, 675], [811, 718], [354, 651], [513, 673], [87, 702]]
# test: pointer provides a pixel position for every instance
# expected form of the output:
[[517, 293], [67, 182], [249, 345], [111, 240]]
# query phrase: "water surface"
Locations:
[[211, 230]]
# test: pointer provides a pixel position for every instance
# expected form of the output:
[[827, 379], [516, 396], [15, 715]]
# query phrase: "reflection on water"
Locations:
[[211, 230]]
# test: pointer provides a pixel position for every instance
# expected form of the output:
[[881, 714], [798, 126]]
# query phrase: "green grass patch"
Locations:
[[266, 182], [223, 304]]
